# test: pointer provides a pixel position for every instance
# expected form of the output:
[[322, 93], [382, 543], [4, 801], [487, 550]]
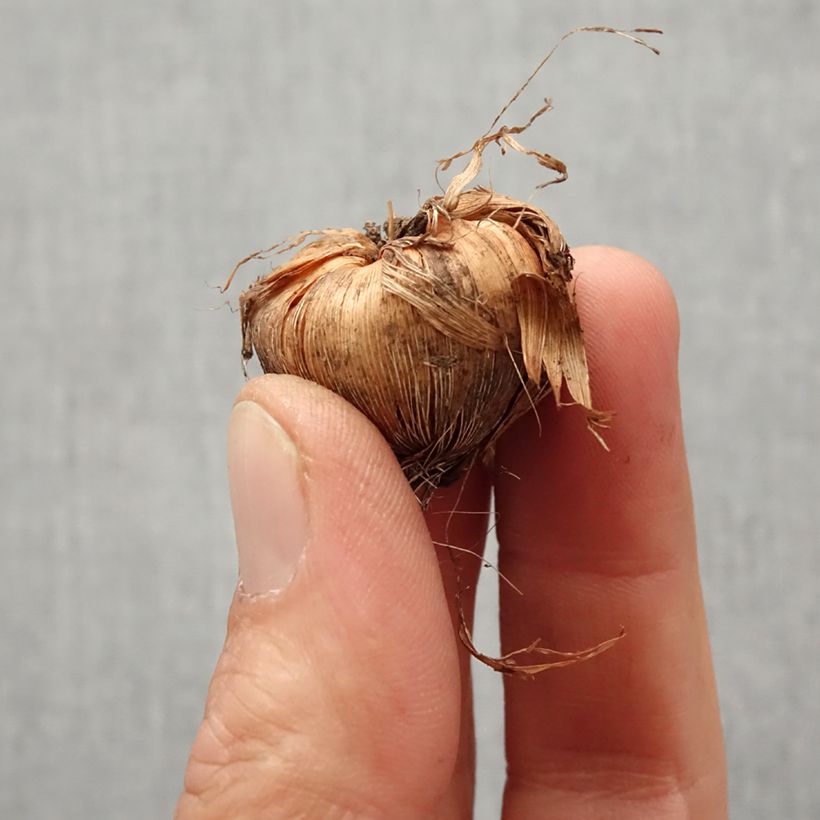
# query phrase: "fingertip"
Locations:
[[359, 501], [361, 632], [619, 272], [631, 324], [630, 321]]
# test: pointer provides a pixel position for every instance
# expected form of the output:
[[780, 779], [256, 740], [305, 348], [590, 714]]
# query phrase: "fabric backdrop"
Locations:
[[145, 146]]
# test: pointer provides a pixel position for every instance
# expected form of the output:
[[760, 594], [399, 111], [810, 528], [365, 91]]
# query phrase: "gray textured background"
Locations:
[[145, 146]]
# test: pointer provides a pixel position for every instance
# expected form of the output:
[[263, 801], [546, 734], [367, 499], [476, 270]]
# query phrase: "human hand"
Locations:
[[342, 690]]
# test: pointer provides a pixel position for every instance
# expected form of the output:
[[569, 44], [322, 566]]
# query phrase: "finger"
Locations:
[[457, 517], [600, 539], [337, 692]]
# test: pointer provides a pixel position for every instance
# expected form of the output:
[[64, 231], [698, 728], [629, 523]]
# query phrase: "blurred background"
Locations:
[[144, 147]]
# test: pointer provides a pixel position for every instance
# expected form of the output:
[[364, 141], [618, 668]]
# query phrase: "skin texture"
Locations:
[[347, 694]]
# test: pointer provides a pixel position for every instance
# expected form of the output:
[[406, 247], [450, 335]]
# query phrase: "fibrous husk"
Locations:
[[442, 329]]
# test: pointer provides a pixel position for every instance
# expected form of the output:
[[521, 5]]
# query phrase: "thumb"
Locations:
[[337, 690]]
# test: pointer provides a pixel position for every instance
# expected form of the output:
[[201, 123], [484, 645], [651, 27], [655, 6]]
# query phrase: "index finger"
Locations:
[[598, 539]]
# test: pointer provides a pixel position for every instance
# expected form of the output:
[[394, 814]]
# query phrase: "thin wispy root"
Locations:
[[519, 661], [443, 328], [511, 663]]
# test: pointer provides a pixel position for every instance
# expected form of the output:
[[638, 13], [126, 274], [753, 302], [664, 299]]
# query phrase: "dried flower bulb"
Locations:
[[443, 328]]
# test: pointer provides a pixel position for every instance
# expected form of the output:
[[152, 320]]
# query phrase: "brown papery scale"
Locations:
[[442, 328]]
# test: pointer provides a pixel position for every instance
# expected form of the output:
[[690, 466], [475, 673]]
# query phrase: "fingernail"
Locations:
[[269, 508]]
